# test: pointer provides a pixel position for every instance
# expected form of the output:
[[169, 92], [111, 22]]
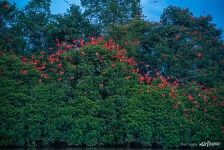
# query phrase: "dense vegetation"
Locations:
[[142, 83]]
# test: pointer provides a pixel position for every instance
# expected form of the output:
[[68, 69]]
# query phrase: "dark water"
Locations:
[[78, 149]]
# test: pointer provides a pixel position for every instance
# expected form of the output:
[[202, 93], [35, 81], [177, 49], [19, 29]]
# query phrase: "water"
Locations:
[[78, 148]]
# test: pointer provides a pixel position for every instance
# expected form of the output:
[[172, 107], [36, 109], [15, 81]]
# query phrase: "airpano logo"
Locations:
[[209, 144]]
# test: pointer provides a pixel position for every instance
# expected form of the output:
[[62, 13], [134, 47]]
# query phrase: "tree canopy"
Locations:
[[105, 76]]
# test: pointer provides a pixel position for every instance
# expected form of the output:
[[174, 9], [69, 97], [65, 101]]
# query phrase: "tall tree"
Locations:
[[108, 12], [193, 45], [72, 25], [181, 45], [10, 30], [35, 17]]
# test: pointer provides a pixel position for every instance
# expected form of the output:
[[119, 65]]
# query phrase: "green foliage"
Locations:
[[96, 93], [72, 25], [94, 103], [34, 28], [9, 27], [180, 46], [106, 13], [34, 19]]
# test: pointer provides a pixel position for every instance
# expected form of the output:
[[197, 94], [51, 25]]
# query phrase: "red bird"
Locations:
[[60, 65], [177, 37], [190, 97], [128, 77], [81, 42], [141, 78], [113, 65], [175, 84], [5, 6], [23, 72], [199, 55]]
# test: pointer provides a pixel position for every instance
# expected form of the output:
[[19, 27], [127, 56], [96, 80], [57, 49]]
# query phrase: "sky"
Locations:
[[152, 9]]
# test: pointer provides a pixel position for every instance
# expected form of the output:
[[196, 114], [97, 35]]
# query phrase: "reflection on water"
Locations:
[[78, 148]]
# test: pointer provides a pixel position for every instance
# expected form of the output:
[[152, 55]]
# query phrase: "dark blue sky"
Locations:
[[152, 10]]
